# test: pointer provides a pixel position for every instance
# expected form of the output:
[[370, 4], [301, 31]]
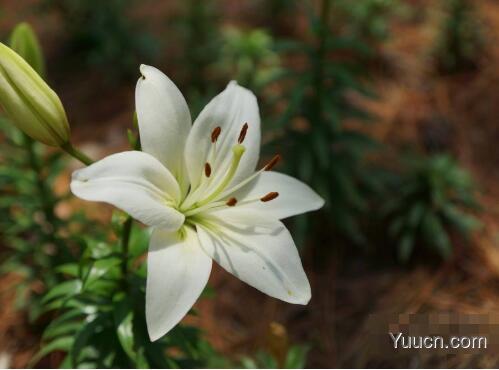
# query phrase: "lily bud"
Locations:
[[24, 42], [29, 102]]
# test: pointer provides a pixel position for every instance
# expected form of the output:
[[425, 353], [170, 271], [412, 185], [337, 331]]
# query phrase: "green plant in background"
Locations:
[[320, 149], [198, 33], [428, 200], [460, 42], [91, 286], [296, 358], [103, 35], [366, 20], [279, 15], [248, 57], [28, 222], [100, 320]]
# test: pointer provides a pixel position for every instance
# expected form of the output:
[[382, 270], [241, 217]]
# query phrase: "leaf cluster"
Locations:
[[100, 313], [249, 57], [321, 149], [103, 34], [36, 239], [368, 20], [461, 41], [196, 30], [431, 198], [296, 358]]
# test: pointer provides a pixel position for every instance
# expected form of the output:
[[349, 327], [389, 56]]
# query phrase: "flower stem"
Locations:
[[45, 195], [127, 226], [125, 242], [75, 153]]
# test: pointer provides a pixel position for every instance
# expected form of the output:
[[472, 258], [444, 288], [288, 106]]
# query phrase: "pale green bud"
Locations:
[[24, 42], [29, 102]]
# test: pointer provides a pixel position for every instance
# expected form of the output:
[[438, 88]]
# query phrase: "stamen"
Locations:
[[207, 169], [242, 134], [270, 196], [237, 151], [272, 163], [231, 202], [267, 167], [215, 134]]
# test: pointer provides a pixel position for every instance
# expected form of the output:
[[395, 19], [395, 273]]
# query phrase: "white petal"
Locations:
[[244, 216], [295, 197], [164, 120], [135, 182], [230, 110], [177, 272], [268, 261]]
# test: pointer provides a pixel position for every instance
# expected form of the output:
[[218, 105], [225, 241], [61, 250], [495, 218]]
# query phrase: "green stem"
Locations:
[[321, 52], [45, 194], [125, 242], [75, 153], [127, 226], [47, 201]]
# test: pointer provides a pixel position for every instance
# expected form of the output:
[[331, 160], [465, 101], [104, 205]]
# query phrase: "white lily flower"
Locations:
[[196, 186]]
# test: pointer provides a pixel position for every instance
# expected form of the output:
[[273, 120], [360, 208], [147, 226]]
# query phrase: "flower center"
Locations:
[[213, 194]]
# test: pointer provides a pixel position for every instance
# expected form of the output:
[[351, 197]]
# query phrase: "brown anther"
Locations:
[[207, 169], [242, 134], [215, 134], [231, 202], [269, 196], [272, 162]]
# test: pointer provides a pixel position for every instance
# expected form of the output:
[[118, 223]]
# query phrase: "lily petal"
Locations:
[[244, 216], [268, 261], [164, 120], [135, 182], [295, 197], [177, 272], [229, 110]]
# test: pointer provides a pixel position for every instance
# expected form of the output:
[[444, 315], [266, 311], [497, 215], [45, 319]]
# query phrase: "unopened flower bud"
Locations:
[[29, 102], [24, 42]]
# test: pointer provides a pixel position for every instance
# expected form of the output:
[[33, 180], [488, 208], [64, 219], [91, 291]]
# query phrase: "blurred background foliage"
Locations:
[[346, 90], [428, 199], [461, 42], [103, 36]]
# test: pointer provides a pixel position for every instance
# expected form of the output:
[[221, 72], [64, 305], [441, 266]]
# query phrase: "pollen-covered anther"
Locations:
[[270, 196], [272, 162], [207, 169], [215, 134], [242, 134], [231, 202]]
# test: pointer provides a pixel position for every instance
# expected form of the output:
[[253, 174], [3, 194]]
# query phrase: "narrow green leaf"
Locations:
[[67, 288], [61, 329], [59, 344], [405, 247]]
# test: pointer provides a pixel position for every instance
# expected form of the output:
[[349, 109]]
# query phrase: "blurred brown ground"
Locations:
[[238, 319]]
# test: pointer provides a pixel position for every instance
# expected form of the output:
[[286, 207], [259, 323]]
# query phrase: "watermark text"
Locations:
[[401, 341]]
